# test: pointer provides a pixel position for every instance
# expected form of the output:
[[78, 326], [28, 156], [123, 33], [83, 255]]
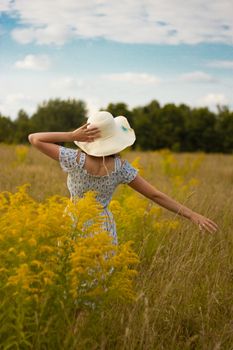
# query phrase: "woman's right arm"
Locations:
[[145, 188], [45, 142]]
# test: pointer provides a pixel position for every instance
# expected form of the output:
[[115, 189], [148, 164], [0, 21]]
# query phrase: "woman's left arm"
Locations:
[[46, 141], [145, 188]]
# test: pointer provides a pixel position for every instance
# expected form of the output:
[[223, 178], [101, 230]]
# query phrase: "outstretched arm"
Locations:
[[144, 187]]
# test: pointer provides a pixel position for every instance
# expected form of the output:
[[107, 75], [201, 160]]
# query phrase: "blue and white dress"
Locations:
[[80, 181]]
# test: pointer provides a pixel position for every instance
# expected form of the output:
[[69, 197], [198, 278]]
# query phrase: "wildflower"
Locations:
[[21, 153], [32, 242], [75, 260]]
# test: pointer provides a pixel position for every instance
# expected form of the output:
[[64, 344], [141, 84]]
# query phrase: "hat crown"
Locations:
[[105, 122], [116, 135]]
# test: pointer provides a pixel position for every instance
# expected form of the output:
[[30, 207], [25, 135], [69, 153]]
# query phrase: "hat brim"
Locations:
[[123, 137]]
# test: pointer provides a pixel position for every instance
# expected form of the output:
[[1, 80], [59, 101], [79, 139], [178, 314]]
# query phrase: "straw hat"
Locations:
[[116, 135]]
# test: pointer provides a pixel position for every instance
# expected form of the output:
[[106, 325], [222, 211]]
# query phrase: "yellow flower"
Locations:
[[66, 250], [36, 263], [12, 250], [32, 242], [22, 254], [21, 153]]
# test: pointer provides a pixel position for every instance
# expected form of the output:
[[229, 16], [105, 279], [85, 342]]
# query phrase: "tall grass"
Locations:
[[184, 284]]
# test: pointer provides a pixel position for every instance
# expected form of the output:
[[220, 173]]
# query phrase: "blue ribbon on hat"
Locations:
[[124, 128]]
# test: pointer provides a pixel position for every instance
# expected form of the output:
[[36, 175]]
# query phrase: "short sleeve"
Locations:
[[67, 158], [127, 173]]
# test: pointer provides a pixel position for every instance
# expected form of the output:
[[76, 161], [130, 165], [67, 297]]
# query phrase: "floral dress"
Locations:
[[80, 181]]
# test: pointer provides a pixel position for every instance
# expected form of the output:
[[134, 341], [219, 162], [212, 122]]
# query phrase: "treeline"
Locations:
[[179, 128]]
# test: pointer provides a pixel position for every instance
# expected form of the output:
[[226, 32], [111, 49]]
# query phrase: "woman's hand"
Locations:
[[85, 133], [204, 223]]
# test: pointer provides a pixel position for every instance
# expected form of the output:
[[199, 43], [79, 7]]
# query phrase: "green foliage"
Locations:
[[178, 128], [22, 126], [202, 134], [224, 129], [59, 115], [7, 129], [52, 115], [54, 267]]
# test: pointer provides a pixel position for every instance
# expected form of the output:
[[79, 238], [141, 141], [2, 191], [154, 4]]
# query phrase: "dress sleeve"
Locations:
[[68, 158], [127, 173]]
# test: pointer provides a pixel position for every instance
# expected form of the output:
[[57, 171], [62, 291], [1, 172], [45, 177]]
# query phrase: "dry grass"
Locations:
[[185, 286]]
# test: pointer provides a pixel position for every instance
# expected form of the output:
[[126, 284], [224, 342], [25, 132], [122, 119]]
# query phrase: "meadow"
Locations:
[[171, 285]]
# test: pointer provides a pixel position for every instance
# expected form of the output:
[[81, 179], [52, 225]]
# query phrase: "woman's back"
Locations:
[[96, 166], [86, 173], [82, 177]]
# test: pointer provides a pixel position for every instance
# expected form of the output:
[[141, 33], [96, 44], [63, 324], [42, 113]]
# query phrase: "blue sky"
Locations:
[[101, 51]]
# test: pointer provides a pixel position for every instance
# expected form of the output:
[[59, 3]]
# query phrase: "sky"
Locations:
[[102, 51]]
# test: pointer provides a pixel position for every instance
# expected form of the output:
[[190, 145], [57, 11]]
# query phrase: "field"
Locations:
[[172, 285]]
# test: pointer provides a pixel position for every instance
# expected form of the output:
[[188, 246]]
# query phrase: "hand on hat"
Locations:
[[85, 133]]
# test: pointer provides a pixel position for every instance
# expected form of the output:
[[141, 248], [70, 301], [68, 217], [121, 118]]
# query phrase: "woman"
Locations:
[[97, 165]]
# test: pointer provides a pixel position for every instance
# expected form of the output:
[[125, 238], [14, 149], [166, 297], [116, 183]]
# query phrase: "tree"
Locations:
[[224, 129], [179, 128], [200, 130], [145, 123], [59, 115], [22, 127], [170, 123], [7, 129]]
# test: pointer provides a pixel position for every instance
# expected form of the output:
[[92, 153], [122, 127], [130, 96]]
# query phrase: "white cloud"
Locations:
[[4, 5], [221, 64], [67, 83], [12, 103], [34, 62], [197, 77], [15, 98], [133, 78], [23, 36], [213, 99], [51, 34], [134, 21]]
